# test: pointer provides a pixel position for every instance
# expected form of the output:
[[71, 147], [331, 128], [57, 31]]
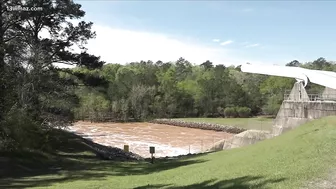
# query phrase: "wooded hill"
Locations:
[[145, 90]]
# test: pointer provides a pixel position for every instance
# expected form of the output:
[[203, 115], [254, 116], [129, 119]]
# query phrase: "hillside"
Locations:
[[291, 160]]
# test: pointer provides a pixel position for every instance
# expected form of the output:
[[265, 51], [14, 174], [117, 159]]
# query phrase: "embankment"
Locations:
[[199, 125]]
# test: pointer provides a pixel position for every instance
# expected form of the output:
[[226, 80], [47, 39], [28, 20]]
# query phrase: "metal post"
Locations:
[[152, 151], [126, 148]]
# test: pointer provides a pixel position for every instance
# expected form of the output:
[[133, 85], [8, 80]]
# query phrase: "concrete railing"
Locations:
[[316, 97]]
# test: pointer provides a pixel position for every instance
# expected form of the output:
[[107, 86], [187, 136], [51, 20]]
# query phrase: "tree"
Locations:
[[207, 65], [9, 51], [183, 69], [29, 59], [141, 98], [143, 90], [294, 63], [95, 105], [273, 89]]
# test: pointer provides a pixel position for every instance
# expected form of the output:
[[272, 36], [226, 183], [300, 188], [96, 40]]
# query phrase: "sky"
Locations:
[[224, 32]]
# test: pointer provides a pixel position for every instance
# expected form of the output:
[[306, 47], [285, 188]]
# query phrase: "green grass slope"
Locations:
[[261, 123], [288, 161]]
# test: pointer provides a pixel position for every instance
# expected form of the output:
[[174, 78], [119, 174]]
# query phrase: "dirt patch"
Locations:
[[168, 140]]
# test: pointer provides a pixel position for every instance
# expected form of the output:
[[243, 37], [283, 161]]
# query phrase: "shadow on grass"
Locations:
[[246, 182], [73, 158], [44, 182], [150, 186]]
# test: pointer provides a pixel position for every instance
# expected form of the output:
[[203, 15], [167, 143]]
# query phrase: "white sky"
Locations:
[[122, 46], [116, 45]]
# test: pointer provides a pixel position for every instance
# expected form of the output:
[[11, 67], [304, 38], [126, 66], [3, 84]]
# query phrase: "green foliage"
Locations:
[[20, 131], [179, 89], [220, 111], [93, 105], [141, 98], [230, 112], [243, 112], [35, 94], [273, 90]]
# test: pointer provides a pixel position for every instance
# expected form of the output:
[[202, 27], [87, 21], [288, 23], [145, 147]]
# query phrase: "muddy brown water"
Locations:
[[167, 140]]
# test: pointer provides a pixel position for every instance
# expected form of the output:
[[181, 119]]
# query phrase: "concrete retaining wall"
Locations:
[[246, 138], [295, 113], [295, 110], [242, 139], [329, 93], [298, 108]]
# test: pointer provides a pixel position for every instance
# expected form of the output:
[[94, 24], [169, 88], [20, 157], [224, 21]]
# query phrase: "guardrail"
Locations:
[[316, 97]]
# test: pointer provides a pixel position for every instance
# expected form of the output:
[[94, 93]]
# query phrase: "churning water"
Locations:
[[167, 140]]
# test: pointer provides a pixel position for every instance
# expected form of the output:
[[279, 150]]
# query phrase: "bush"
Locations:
[[220, 111], [237, 112], [20, 131], [230, 112], [272, 107], [243, 111]]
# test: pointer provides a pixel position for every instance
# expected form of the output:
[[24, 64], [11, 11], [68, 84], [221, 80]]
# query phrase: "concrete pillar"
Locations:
[[298, 93]]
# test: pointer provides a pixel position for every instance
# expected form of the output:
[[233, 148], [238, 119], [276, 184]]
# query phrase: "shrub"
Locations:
[[230, 112], [243, 111], [272, 107], [220, 111], [20, 131]]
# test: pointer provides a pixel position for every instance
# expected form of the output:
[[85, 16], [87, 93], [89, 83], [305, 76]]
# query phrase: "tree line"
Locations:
[[146, 90], [37, 96]]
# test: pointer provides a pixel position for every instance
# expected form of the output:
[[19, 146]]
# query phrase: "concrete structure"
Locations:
[[329, 94], [298, 93], [246, 138], [242, 139], [292, 111], [298, 108]]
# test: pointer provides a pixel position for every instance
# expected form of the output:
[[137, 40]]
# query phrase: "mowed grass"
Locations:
[[287, 161], [260, 123]]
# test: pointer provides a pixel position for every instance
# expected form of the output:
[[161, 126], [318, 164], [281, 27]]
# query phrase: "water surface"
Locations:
[[167, 140]]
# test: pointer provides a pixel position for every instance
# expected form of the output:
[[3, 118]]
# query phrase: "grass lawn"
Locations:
[[261, 123], [288, 161]]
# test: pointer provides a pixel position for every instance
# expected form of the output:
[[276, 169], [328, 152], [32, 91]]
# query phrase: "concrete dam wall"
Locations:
[[295, 113], [297, 108]]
